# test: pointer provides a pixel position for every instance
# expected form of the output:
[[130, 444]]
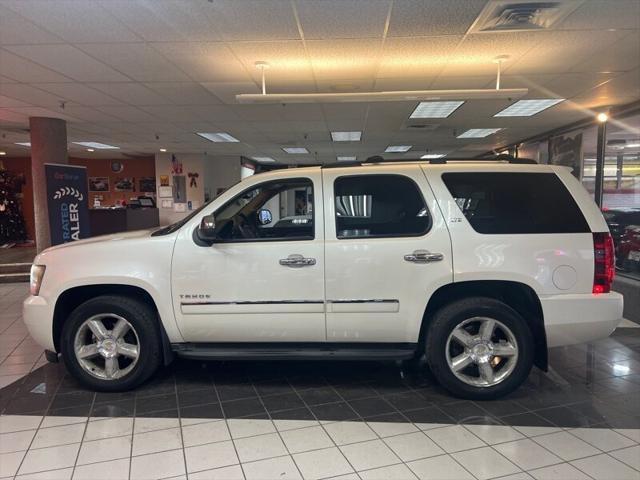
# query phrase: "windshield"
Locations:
[[176, 226]]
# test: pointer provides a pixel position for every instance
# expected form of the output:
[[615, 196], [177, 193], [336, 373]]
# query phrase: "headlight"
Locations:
[[37, 272]]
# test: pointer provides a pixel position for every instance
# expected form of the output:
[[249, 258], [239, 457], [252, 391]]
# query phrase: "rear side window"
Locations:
[[506, 202], [379, 206]]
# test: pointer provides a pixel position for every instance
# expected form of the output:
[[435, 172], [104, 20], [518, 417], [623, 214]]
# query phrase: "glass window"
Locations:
[[379, 206], [507, 203], [280, 210]]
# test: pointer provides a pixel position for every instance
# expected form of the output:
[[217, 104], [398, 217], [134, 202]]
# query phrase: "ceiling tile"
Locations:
[[287, 60], [342, 18], [7, 102], [419, 17], [127, 113], [15, 30], [344, 59], [254, 19], [227, 91], [623, 55], [131, 93], [79, 93], [420, 56], [22, 70], [602, 14], [184, 93], [30, 94]]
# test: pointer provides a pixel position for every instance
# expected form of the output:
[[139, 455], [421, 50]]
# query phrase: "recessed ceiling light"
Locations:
[[98, 145], [24, 144], [346, 158], [478, 132], [346, 136], [430, 156], [263, 159], [163, 149], [218, 137], [527, 108], [295, 149], [435, 109], [397, 148], [90, 150]]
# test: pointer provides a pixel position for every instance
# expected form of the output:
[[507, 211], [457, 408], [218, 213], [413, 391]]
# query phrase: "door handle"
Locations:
[[296, 261], [423, 256]]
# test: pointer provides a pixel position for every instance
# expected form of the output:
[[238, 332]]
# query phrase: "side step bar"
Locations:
[[294, 351]]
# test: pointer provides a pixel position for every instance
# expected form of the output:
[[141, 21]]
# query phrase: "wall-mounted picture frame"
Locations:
[[166, 203], [164, 180], [98, 184], [147, 185], [165, 192]]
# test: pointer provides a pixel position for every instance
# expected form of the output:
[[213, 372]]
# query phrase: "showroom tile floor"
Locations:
[[228, 420]]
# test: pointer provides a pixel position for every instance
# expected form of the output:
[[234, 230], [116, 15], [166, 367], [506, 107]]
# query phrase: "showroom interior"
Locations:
[[145, 111]]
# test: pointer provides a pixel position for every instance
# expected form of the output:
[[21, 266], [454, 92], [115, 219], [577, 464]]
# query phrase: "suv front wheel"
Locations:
[[479, 348], [111, 343]]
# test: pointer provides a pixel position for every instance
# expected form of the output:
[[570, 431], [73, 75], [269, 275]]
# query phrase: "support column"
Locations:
[[48, 145], [600, 150]]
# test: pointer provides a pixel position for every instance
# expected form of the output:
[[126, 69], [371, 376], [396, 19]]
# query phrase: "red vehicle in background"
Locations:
[[628, 249]]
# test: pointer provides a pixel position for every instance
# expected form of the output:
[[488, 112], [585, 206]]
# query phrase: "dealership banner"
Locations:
[[68, 202], [566, 150]]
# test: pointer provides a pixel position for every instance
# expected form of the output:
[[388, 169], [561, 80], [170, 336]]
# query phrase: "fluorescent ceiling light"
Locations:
[[430, 156], [163, 149], [98, 145], [220, 137], [295, 149], [346, 158], [435, 109], [478, 132], [346, 136], [632, 145], [24, 144], [527, 108], [397, 148], [263, 159]]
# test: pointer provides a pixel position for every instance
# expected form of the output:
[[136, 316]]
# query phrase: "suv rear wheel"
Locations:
[[111, 343], [479, 348]]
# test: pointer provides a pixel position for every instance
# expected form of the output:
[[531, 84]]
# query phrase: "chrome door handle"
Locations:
[[296, 261], [423, 256]]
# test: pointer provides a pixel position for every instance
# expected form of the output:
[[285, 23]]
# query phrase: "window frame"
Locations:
[[273, 239], [390, 235]]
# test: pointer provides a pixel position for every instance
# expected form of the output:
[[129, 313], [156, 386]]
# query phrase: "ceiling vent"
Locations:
[[510, 16], [420, 126]]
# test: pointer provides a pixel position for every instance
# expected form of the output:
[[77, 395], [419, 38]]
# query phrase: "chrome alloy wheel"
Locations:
[[481, 351], [107, 346]]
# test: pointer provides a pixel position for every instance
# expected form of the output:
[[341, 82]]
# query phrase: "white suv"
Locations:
[[479, 267]]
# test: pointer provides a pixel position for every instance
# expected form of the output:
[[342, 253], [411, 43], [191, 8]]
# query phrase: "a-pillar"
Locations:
[[48, 145]]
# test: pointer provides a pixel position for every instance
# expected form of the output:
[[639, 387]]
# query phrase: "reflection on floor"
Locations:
[[318, 420]]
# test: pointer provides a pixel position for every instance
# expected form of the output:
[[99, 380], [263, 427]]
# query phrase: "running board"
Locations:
[[295, 351]]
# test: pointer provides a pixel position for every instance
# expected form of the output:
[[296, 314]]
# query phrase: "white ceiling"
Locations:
[[131, 70]]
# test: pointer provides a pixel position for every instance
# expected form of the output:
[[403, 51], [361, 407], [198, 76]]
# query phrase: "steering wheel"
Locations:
[[244, 226]]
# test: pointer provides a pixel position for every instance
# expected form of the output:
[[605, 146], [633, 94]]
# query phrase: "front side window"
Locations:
[[379, 206], [270, 211]]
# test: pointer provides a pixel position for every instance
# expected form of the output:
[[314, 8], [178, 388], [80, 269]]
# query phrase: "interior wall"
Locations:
[[190, 164], [220, 173]]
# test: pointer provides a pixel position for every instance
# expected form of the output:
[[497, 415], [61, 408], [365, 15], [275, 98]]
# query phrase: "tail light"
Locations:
[[604, 262]]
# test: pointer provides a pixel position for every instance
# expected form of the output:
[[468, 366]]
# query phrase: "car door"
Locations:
[[263, 279], [387, 250]]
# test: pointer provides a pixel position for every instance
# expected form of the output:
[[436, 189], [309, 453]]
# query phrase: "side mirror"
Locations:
[[265, 217], [207, 229]]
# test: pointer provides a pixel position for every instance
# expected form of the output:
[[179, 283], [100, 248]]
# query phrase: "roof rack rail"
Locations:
[[434, 161]]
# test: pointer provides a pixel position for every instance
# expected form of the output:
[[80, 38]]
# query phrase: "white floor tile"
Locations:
[[16, 423], [234, 472], [387, 429], [632, 433], [367, 455], [211, 455], [393, 472], [630, 456], [494, 434], [439, 468], [63, 435], [454, 438], [158, 441], [284, 425], [349, 432], [536, 431], [9, 463], [272, 468], [202, 433], [604, 467], [260, 447], [143, 424], [157, 465], [241, 428], [517, 476], [111, 427], [112, 470], [190, 421], [59, 421], [562, 471], [348, 476], [51, 458], [485, 463], [305, 439], [413, 446], [527, 454], [62, 474], [104, 450], [566, 446], [16, 441], [602, 438], [325, 463]]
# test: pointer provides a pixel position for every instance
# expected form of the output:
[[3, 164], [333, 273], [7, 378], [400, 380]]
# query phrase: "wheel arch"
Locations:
[[519, 296], [73, 297]]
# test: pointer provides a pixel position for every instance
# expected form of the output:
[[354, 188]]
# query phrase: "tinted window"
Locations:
[[379, 206], [515, 202], [269, 211]]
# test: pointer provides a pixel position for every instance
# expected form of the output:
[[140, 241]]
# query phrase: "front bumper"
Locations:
[[580, 318], [37, 315]]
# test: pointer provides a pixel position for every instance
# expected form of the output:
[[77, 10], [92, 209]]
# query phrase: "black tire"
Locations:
[[446, 319], [141, 317]]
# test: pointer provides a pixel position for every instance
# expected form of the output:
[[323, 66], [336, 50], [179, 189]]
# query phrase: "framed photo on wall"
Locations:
[[147, 184], [124, 184], [98, 184]]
